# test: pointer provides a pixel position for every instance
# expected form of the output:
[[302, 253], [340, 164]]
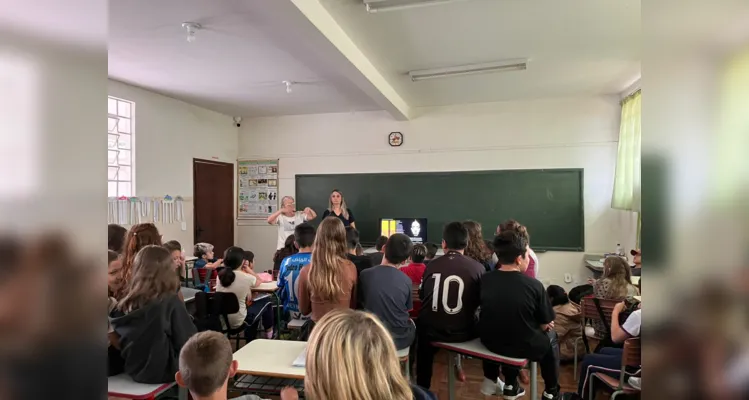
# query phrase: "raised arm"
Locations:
[[273, 218], [310, 213]]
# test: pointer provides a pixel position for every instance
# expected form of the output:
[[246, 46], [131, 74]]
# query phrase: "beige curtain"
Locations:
[[627, 191]]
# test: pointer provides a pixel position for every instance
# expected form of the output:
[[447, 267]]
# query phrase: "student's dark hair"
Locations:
[[352, 237], [509, 245], [398, 248], [512, 225], [380, 242], [173, 245], [112, 255], [233, 259], [489, 245], [116, 239], [304, 235], [557, 295], [455, 236], [476, 248], [288, 249], [419, 253], [432, 249], [249, 256]]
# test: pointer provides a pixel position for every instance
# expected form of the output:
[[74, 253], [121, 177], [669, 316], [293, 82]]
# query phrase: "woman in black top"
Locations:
[[337, 208]]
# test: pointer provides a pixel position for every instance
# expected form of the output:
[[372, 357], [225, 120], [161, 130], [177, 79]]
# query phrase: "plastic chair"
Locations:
[[212, 313], [590, 313], [631, 357]]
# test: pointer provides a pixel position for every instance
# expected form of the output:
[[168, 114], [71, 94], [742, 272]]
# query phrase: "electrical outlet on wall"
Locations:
[[568, 278]]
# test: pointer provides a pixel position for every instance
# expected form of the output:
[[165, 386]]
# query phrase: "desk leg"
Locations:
[[534, 380], [451, 375], [278, 315]]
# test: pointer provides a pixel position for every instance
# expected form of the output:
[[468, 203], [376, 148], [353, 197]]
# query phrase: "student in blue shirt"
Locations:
[[288, 275]]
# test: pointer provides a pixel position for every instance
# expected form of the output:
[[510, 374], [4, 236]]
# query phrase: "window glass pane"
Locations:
[[124, 125], [124, 174], [123, 189], [112, 157], [112, 173], [111, 106], [111, 124], [124, 157], [124, 141], [112, 189], [111, 142], [123, 109]]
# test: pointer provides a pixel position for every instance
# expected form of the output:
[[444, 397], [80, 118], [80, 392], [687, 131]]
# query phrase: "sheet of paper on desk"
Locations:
[[300, 359]]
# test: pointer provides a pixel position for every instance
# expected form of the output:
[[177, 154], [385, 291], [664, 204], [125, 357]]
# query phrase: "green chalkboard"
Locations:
[[549, 201]]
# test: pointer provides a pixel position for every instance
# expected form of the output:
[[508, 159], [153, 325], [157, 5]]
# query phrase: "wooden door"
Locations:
[[213, 193]]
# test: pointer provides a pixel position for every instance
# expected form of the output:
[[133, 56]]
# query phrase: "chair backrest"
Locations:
[[589, 310], [631, 357], [213, 309]]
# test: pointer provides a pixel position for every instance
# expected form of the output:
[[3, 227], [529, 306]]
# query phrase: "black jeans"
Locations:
[[548, 363]]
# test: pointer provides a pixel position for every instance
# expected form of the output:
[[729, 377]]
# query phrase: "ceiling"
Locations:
[[348, 60]]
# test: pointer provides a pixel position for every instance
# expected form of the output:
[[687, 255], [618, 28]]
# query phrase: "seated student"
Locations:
[[116, 239], [350, 356], [533, 264], [206, 264], [609, 360], [151, 322], [449, 296], [415, 268], [516, 320], [567, 323], [288, 276], [115, 361], [329, 281], [377, 256], [477, 248], [386, 293], [205, 366], [175, 248], [615, 284], [431, 252], [361, 262], [288, 249], [138, 237], [234, 278]]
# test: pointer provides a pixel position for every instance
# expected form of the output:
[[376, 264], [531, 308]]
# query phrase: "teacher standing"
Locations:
[[287, 219], [337, 208]]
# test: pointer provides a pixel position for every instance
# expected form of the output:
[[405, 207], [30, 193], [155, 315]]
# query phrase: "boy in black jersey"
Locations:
[[517, 319], [449, 296]]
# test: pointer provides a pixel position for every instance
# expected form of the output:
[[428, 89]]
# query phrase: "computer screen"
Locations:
[[415, 228]]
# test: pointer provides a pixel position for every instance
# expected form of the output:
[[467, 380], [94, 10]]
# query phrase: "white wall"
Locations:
[[168, 134], [559, 133]]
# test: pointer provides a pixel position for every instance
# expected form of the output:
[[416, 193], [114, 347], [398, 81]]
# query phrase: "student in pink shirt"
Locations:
[[512, 225], [415, 268]]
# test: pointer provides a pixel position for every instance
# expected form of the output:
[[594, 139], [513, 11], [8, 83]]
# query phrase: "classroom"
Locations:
[[495, 163]]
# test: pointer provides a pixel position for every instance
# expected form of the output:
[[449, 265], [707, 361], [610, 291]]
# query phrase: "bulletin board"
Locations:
[[257, 188]]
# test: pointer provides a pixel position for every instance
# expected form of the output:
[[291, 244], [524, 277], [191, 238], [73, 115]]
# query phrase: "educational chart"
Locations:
[[257, 188]]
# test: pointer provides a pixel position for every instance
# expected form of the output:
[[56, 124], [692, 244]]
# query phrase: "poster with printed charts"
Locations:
[[257, 188]]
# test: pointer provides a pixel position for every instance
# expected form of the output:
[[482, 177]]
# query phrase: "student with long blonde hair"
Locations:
[[151, 321], [337, 208], [329, 281], [351, 356], [615, 284]]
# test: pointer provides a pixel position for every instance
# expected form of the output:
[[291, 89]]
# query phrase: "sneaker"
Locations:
[[635, 382], [490, 388], [512, 392], [551, 396]]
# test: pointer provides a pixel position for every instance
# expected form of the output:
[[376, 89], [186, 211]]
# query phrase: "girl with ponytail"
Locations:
[[235, 278], [138, 237]]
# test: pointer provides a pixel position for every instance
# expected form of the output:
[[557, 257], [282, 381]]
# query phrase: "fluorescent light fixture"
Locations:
[[461, 70], [373, 8]]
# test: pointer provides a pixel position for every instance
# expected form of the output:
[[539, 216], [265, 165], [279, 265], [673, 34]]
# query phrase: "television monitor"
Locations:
[[415, 228]]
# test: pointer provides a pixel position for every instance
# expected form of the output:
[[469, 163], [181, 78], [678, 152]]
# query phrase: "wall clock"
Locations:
[[395, 139]]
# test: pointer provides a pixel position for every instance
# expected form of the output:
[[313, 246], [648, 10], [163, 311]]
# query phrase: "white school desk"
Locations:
[[188, 293], [636, 280], [123, 386], [272, 358], [474, 348]]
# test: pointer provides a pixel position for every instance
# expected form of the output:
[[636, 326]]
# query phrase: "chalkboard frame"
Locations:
[[540, 249]]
